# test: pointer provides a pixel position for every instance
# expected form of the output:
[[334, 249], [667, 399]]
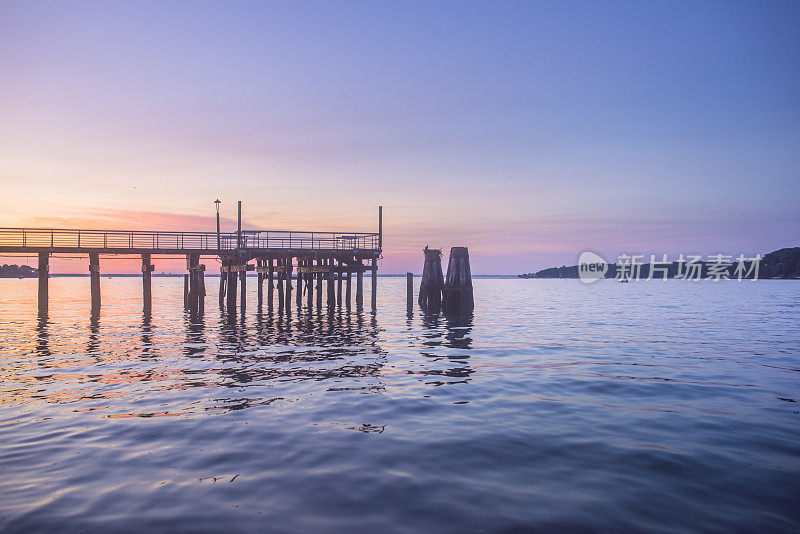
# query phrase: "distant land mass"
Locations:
[[779, 264], [18, 271]]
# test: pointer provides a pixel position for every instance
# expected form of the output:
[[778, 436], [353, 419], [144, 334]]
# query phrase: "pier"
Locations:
[[321, 262]]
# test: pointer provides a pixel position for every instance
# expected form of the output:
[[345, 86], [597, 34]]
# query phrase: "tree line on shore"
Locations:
[[18, 271], [783, 263]]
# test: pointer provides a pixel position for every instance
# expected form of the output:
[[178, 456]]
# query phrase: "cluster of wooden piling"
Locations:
[[317, 276], [452, 295]]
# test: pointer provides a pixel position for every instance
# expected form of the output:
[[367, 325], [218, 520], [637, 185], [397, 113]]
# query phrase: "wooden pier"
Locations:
[[316, 259]]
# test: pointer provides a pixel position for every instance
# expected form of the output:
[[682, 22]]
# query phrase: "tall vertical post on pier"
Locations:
[[239, 226], [374, 294], [380, 227], [44, 275], [147, 269], [94, 274]]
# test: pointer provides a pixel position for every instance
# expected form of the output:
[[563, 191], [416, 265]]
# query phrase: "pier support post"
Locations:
[[457, 296], [339, 283], [222, 278], [347, 295], [243, 289], [271, 286], [44, 275], [288, 302], [309, 283], [94, 273], [147, 299], [299, 296], [190, 293], [319, 284], [186, 291], [331, 289], [374, 294], [195, 299], [201, 288], [259, 268], [231, 288], [280, 284], [360, 286]]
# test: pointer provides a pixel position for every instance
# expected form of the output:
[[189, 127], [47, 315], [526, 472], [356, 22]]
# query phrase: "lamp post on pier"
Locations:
[[216, 204]]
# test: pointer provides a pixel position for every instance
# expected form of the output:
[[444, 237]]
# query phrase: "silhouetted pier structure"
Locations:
[[315, 257]]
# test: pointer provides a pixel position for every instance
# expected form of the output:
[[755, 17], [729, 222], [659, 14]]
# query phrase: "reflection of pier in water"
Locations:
[[243, 363]]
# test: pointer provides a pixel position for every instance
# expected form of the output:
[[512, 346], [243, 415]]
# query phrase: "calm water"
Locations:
[[660, 406]]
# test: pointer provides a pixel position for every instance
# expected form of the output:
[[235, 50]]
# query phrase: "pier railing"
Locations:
[[21, 238]]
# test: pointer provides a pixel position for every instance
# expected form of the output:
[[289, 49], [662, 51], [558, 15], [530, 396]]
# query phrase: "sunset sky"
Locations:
[[528, 131]]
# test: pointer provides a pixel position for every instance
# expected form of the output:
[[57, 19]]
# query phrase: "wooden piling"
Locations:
[[432, 283], [457, 297], [374, 294], [271, 286], [309, 283], [409, 291], [331, 287], [338, 283], [243, 289], [299, 283], [347, 295], [318, 274], [231, 287], [186, 291], [94, 272], [147, 270], [259, 268], [280, 262], [222, 279], [191, 296], [201, 289], [360, 286], [44, 275], [288, 269]]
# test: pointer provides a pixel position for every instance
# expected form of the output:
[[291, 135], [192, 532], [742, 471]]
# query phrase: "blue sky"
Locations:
[[528, 131]]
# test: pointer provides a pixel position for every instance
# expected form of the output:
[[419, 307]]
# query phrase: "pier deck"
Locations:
[[314, 256]]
